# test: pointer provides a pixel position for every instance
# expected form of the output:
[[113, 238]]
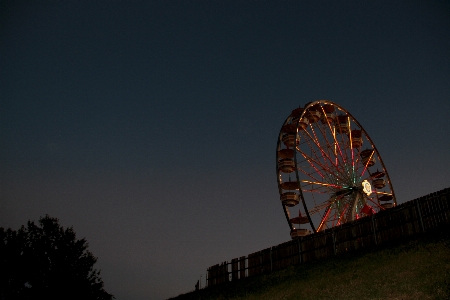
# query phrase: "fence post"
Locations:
[[242, 267], [374, 231], [234, 269], [420, 215]]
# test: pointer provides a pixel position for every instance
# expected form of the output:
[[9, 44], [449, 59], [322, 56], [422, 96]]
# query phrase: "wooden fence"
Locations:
[[410, 218]]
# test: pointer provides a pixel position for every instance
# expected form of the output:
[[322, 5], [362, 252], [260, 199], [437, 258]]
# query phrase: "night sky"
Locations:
[[151, 126]]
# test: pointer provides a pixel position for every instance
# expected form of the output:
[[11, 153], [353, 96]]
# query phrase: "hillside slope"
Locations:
[[417, 268]]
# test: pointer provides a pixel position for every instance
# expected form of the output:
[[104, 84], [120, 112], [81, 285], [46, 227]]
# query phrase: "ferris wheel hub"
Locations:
[[367, 188]]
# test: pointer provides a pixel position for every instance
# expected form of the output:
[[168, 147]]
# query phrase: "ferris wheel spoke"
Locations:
[[358, 162], [323, 184], [335, 219], [346, 159], [304, 141], [329, 148], [325, 217], [335, 169], [305, 165], [374, 201], [342, 145], [333, 132], [351, 145], [317, 184], [309, 174], [320, 146], [382, 193], [367, 163], [316, 188], [323, 154], [313, 171], [317, 208], [310, 160], [341, 215], [360, 166], [320, 190], [317, 160]]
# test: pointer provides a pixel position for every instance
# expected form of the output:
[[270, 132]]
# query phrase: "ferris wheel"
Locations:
[[329, 171]]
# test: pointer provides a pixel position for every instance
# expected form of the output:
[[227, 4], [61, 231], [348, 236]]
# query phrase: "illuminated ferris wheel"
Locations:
[[329, 171]]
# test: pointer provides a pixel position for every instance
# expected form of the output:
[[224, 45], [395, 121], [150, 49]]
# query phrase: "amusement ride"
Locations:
[[329, 171]]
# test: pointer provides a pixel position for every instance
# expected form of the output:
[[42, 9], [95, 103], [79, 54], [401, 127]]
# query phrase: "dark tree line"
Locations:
[[46, 261]]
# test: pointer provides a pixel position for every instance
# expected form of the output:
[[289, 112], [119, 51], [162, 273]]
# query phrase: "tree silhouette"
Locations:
[[46, 261]]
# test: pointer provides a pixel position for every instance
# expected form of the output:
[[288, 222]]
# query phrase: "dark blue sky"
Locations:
[[151, 126]]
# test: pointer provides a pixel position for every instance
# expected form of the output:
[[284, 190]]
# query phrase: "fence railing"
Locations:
[[410, 218]]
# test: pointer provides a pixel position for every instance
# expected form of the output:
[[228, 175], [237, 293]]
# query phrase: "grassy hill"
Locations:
[[417, 268]]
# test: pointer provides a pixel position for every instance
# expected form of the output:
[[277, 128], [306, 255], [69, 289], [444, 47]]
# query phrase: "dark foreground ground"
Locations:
[[414, 268]]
